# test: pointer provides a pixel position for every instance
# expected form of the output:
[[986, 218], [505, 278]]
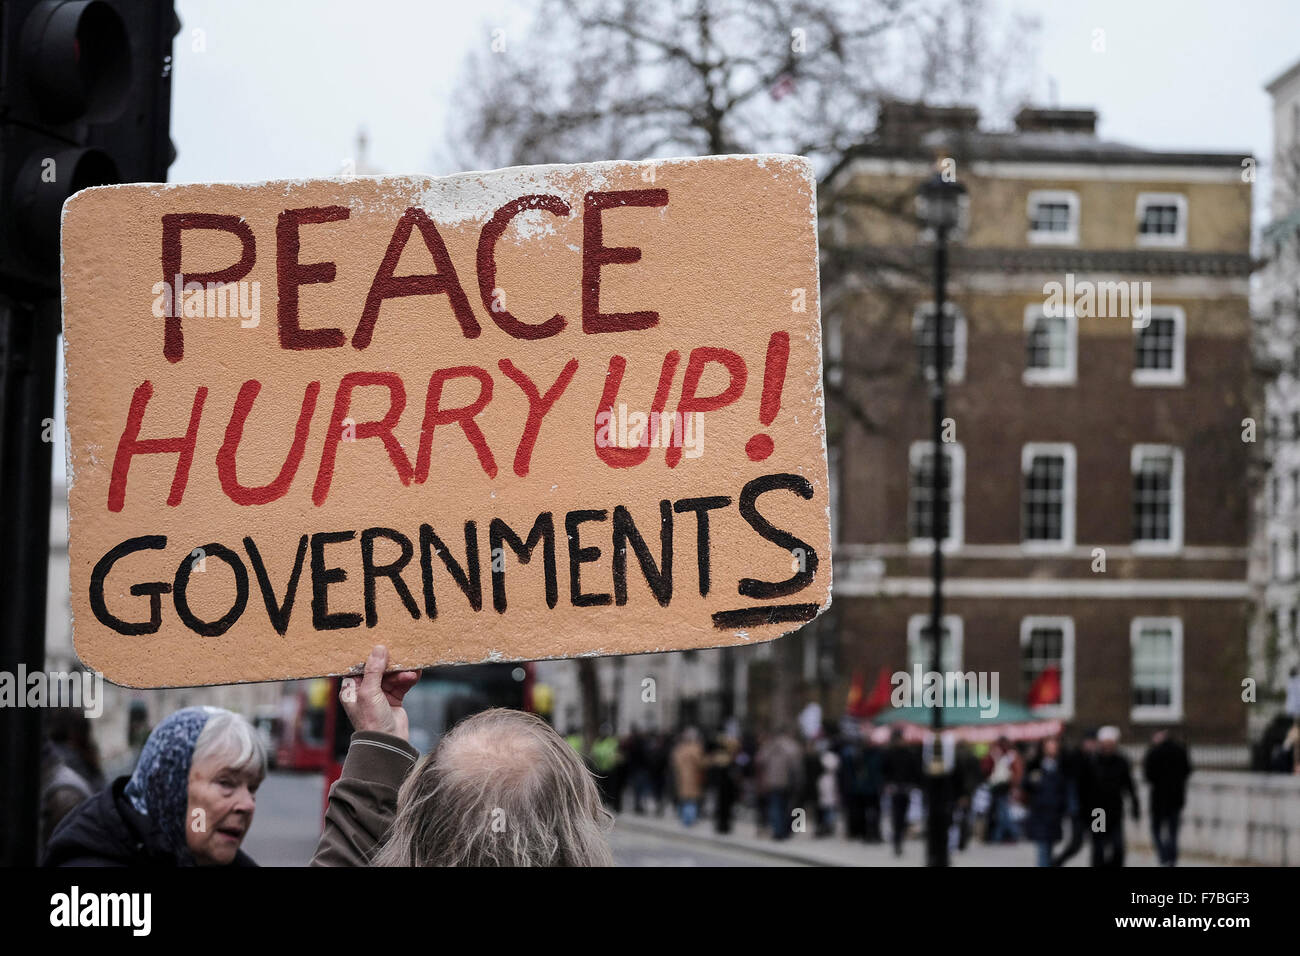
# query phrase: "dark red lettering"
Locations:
[[173, 224], [595, 254]]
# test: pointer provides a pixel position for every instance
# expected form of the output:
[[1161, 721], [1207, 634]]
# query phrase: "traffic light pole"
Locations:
[[28, 337]]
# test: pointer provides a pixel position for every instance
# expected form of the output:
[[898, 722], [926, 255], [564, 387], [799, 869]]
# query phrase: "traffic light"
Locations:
[[85, 100]]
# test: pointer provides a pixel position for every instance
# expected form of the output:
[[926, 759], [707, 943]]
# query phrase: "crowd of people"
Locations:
[[866, 783], [504, 788]]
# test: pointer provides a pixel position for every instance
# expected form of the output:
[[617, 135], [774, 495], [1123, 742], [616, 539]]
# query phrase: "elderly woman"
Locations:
[[189, 802], [501, 789]]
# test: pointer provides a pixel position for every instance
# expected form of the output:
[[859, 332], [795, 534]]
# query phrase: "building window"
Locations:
[[1274, 568], [954, 340], [1276, 486], [834, 334], [1047, 665], [1053, 217], [1047, 496], [1295, 489], [1050, 347], [1162, 219], [1157, 498], [920, 646], [1293, 620], [1160, 347], [1295, 554], [1157, 660], [952, 468]]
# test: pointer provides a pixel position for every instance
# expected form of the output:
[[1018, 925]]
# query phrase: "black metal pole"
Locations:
[[28, 334], [938, 816]]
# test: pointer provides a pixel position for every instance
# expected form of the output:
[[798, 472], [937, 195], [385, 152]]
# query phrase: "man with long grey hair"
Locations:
[[502, 788]]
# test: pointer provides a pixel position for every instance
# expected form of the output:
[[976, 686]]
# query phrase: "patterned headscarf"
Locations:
[[160, 786]]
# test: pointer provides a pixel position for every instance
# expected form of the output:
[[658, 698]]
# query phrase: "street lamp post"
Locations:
[[941, 205]]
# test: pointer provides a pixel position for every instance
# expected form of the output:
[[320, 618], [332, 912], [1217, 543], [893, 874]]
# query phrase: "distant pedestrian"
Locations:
[[828, 793], [1077, 763], [779, 761], [688, 775], [1166, 768], [1112, 781], [1003, 781], [636, 753], [724, 780], [902, 772], [1046, 794]]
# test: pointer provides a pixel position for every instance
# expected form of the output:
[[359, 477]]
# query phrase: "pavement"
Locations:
[[807, 850], [287, 825]]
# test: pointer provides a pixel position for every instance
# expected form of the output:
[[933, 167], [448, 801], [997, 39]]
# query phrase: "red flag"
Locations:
[[1046, 688], [879, 698], [853, 707]]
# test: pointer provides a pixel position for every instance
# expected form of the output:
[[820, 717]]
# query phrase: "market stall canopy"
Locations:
[[1013, 721]]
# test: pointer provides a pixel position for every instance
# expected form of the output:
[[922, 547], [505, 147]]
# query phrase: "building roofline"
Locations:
[[1289, 73], [1107, 154]]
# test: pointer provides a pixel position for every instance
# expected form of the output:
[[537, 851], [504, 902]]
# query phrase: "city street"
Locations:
[[284, 833]]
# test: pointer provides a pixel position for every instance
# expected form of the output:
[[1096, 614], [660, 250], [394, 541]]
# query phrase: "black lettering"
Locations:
[[467, 578], [181, 599], [393, 571], [659, 578], [748, 510], [154, 589], [277, 612], [322, 577], [578, 556], [702, 507], [499, 532]]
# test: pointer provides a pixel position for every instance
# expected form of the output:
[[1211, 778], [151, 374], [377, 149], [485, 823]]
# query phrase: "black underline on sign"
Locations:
[[772, 614]]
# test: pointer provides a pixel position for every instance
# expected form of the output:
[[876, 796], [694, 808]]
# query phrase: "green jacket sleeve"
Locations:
[[363, 801]]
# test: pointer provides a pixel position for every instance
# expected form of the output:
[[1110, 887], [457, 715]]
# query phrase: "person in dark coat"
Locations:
[[1112, 780], [1077, 764], [189, 802], [1047, 796], [901, 770], [1166, 768]]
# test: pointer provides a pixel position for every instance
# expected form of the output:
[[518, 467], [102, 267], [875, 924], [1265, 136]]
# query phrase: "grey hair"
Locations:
[[501, 789], [233, 739]]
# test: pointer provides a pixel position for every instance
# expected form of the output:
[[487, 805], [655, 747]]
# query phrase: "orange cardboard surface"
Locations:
[[530, 413]]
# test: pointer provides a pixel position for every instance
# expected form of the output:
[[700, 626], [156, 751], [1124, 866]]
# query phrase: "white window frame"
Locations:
[[834, 347], [1149, 713], [917, 645], [1054, 376], [1175, 542], [956, 496], [1040, 238], [1069, 493], [1161, 377], [1065, 709], [957, 370], [1179, 238]]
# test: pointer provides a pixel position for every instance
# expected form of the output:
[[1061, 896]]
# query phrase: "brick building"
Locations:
[[1097, 516]]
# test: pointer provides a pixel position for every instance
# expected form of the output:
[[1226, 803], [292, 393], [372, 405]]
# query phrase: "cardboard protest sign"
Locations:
[[537, 412]]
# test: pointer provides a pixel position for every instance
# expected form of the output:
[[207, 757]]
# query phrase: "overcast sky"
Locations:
[[279, 90], [270, 90]]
